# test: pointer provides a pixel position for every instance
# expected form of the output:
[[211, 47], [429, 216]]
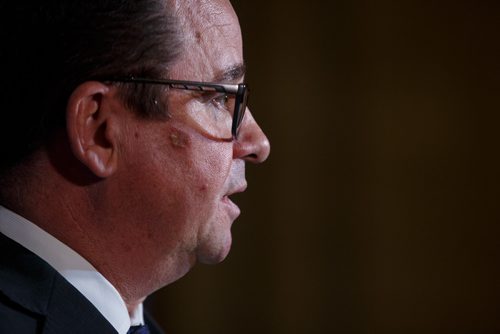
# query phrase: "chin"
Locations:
[[214, 253], [214, 242]]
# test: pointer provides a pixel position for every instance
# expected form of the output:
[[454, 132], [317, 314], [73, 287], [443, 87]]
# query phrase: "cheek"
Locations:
[[201, 165], [183, 177], [178, 140]]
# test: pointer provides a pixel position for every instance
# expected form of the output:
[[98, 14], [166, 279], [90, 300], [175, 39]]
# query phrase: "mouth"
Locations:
[[233, 210]]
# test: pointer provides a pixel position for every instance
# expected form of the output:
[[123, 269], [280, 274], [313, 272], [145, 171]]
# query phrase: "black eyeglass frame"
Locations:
[[240, 91]]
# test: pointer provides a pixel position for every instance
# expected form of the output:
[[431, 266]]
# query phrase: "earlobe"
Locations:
[[92, 128]]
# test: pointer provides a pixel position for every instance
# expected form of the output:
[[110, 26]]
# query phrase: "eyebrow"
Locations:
[[231, 73]]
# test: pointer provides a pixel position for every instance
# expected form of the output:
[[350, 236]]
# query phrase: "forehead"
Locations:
[[211, 39]]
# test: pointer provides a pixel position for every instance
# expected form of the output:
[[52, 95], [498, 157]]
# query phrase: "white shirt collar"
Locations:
[[73, 267]]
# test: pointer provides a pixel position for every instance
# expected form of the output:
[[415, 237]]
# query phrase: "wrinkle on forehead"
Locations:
[[198, 16], [211, 36]]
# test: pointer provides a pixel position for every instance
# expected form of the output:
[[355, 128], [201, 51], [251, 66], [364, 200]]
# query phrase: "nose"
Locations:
[[252, 144]]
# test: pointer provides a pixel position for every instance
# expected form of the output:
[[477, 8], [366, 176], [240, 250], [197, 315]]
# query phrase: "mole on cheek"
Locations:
[[179, 139], [198, 37]]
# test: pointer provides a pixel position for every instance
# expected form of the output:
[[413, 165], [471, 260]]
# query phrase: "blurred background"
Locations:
[[377, 211]]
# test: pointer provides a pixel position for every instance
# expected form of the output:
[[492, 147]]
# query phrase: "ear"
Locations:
[[92, 128]]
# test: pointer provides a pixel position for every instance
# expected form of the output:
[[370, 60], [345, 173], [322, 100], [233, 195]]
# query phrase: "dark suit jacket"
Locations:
[[35, 298]]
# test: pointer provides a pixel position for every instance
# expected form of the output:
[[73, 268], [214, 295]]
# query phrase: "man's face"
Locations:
[[179, 176]]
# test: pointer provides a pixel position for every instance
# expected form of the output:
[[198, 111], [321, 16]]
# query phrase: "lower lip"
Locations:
[[234, 210]]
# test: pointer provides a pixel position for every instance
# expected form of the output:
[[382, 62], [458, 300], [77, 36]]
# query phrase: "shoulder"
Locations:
[[17, 319], [35, 298], [24, 285]]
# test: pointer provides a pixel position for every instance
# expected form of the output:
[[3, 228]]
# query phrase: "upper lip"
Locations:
[[239, 189]]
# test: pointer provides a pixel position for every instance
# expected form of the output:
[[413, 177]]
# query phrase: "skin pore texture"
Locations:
[[144, 200]]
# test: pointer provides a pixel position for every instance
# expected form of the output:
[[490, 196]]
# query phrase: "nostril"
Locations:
[[252, 156]]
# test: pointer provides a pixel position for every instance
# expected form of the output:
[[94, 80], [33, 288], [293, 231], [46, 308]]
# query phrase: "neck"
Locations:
[[84, 213]]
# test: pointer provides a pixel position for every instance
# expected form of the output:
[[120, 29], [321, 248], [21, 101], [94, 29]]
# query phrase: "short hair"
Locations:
[[49, 47]]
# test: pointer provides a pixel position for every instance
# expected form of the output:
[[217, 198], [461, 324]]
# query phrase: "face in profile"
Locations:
[[181, 173]]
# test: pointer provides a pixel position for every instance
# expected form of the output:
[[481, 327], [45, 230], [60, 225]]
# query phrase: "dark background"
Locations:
[[377, 211]]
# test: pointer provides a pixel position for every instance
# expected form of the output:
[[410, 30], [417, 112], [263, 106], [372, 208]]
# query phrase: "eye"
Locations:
[[221, 101]]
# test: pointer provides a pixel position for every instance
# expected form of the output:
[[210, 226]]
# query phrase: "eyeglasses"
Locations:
[[233, 101]]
